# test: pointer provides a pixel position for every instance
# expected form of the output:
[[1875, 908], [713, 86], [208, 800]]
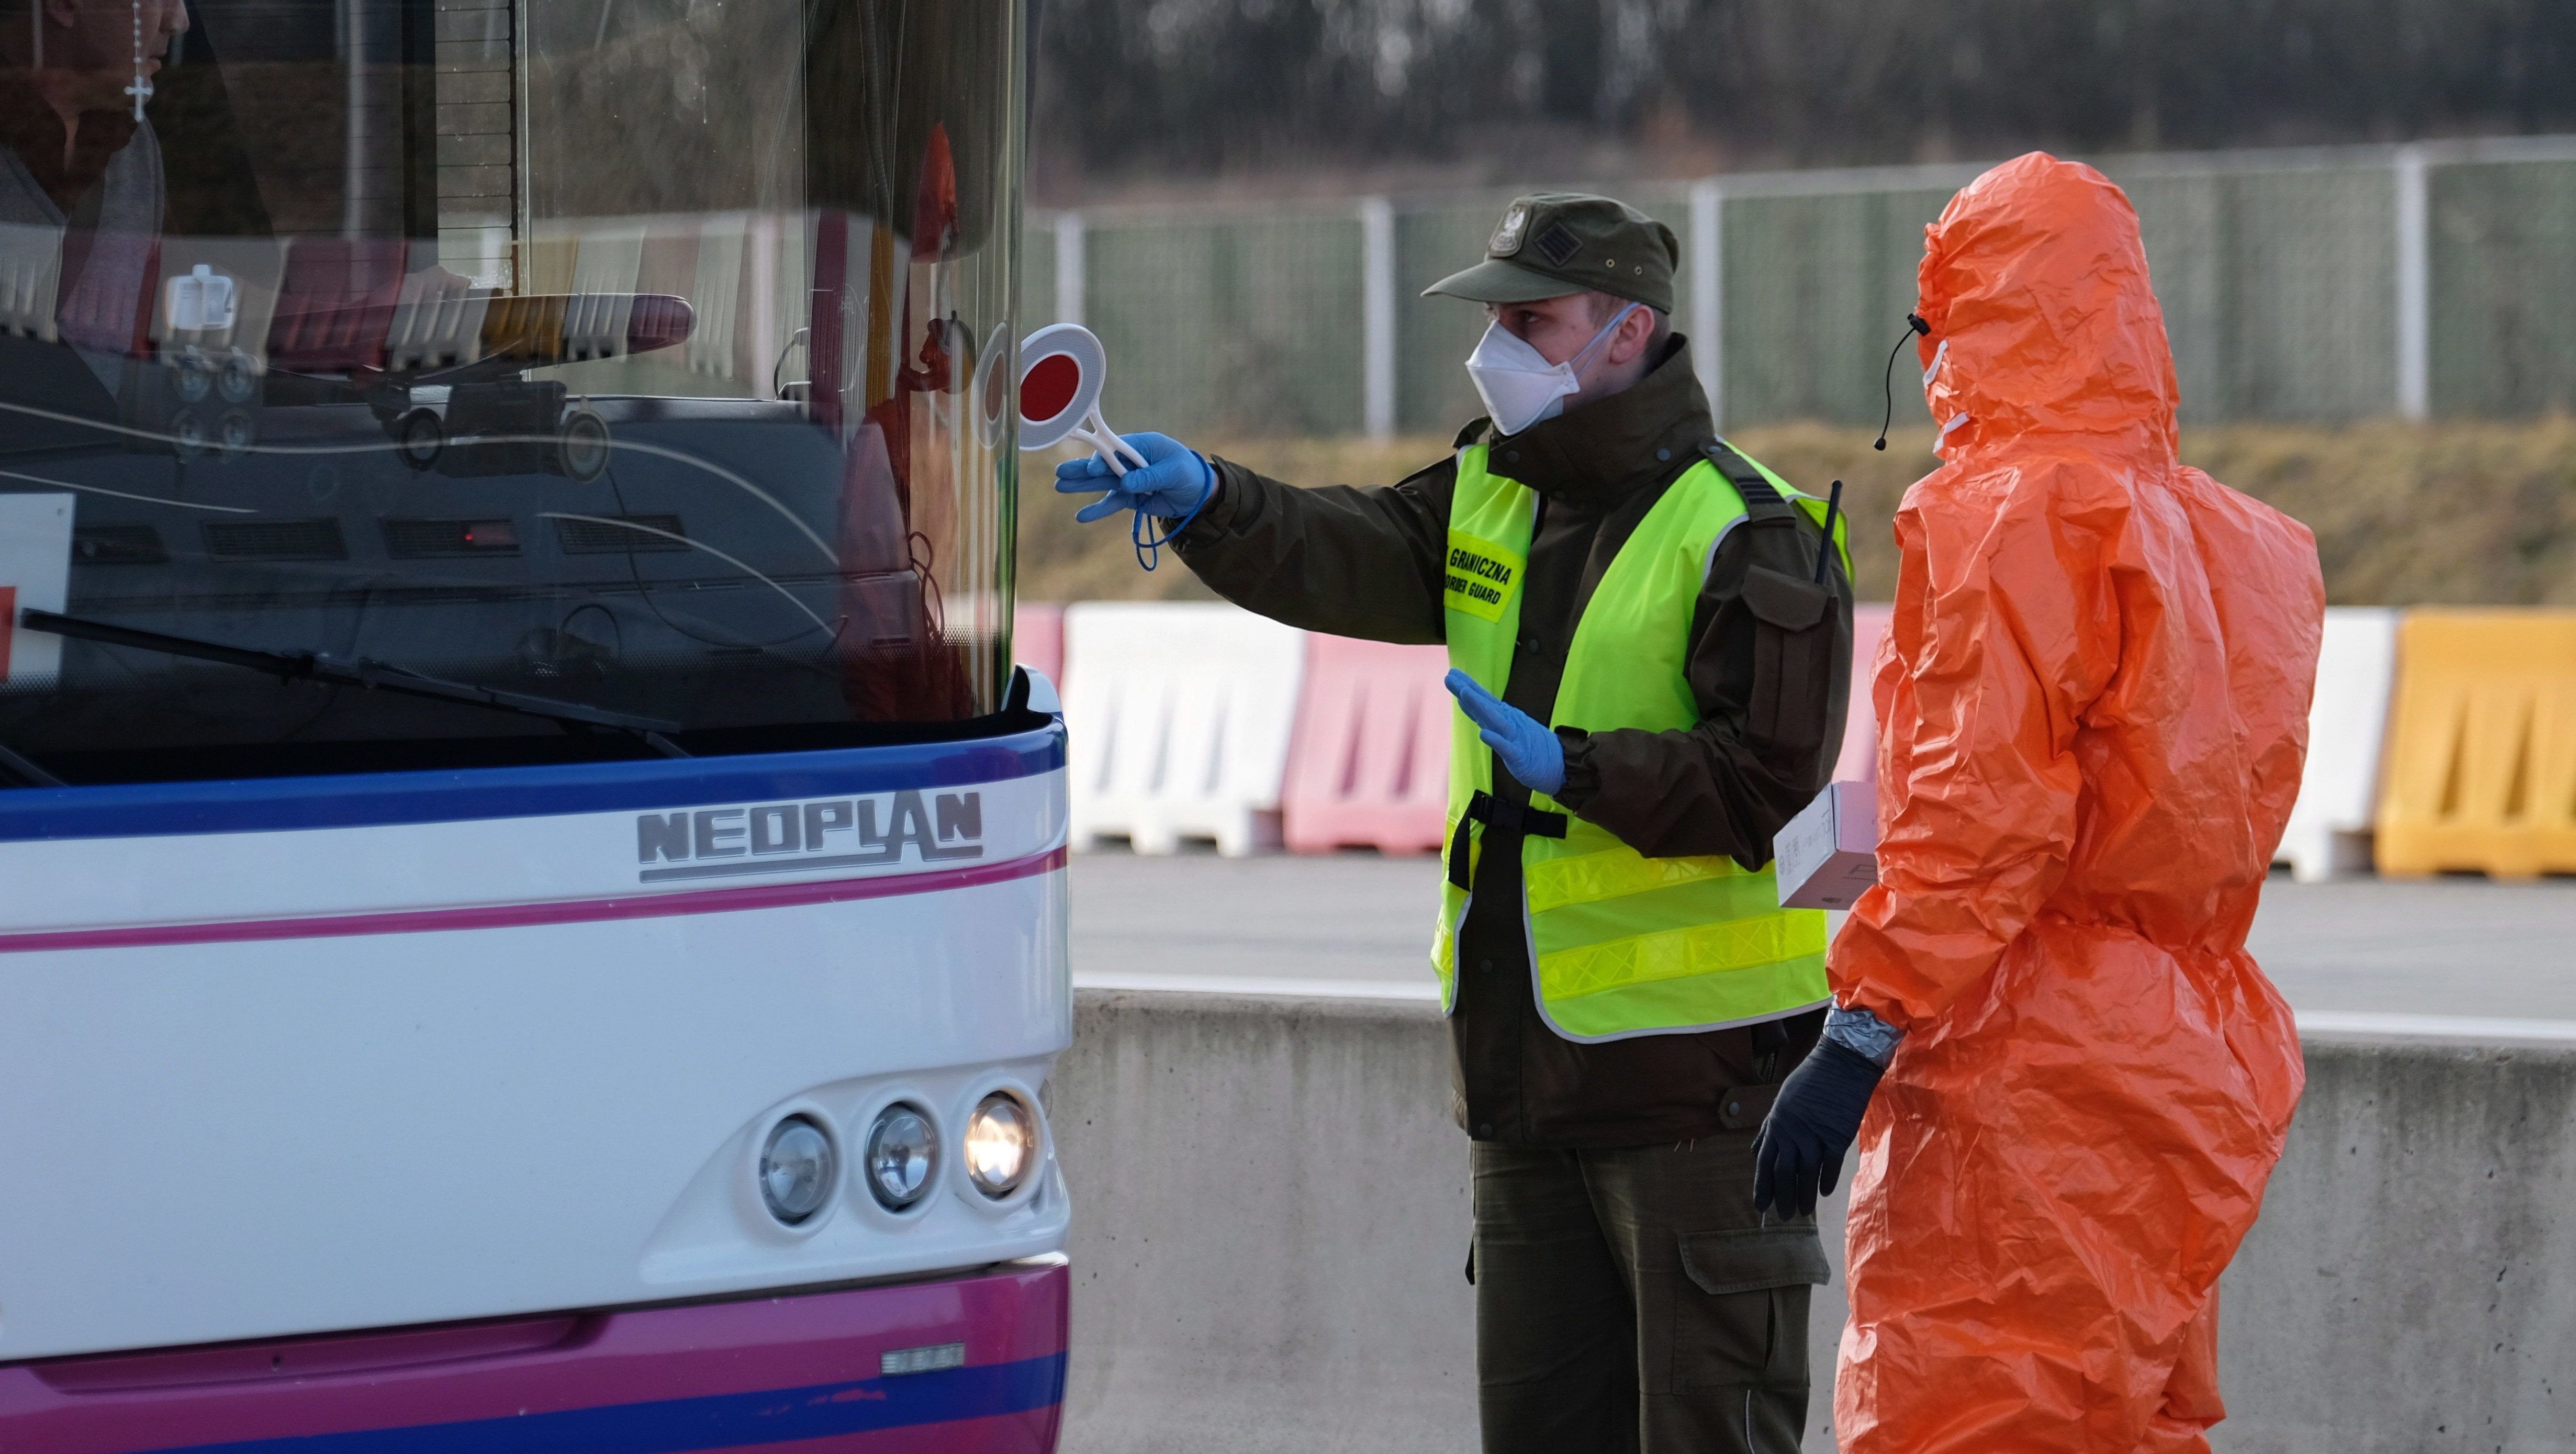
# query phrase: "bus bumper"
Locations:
[[960, 1366]]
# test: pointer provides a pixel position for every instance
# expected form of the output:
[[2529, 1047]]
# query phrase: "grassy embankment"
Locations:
[[2460, 514]]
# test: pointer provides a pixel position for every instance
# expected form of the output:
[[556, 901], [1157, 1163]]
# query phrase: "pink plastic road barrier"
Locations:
[[1037, 640], [1368, 762], [1859, 762]]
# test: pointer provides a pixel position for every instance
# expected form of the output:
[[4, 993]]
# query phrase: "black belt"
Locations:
[[1491, 811]]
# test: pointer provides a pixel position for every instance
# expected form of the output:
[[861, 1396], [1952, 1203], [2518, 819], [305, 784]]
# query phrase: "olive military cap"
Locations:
[[1554, 243]]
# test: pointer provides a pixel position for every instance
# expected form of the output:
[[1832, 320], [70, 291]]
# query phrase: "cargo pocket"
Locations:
[[1743, 1320], [1793, 656]]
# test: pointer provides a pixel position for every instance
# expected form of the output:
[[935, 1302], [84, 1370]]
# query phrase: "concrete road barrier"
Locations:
[[2412, 1283], [1271, 1227], [1271, 1249]]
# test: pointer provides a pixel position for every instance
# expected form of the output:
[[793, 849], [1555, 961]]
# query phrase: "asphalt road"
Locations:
[[2346, 951]]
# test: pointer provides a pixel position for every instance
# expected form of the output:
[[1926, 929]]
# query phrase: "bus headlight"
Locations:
[[901, 1154], [1001, 1142], [796, 1170]]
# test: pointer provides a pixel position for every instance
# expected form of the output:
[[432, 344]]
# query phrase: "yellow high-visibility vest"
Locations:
[[1622, 944]]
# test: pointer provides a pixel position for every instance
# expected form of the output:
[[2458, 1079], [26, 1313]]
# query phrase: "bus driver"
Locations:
[[82, 167]]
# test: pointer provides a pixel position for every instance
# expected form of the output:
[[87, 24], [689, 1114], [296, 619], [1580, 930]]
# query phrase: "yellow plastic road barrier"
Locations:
[[2482, 745]]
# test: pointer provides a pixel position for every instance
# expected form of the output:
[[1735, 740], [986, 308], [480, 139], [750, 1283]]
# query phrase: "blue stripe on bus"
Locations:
[[712, 1421], [250, 805]]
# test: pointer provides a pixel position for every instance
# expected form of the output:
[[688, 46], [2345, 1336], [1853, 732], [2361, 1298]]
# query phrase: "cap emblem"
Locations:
[[1559, 245], [1507, 238]]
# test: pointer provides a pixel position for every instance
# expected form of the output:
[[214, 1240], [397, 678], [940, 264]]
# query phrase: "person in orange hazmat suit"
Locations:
[[2092, 709]]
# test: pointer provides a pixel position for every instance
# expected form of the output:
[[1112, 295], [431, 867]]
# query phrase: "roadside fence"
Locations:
[[2436, 279]]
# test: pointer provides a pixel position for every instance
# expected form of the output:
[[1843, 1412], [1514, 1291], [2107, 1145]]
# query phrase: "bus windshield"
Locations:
[[649, 358]]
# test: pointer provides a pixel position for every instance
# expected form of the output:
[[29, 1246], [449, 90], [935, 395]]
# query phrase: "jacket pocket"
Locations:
[[1793, 657], [1742, 1322]]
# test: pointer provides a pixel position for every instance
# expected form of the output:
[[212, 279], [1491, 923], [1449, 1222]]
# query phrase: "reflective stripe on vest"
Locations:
[[1622, 944]]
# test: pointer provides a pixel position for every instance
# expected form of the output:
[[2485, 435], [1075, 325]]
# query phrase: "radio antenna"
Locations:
[[1833, 508]]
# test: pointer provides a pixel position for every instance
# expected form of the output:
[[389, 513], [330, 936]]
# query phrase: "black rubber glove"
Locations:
[[1799, 1153]]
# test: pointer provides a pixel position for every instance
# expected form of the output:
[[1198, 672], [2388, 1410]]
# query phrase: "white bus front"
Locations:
[[531, 897]]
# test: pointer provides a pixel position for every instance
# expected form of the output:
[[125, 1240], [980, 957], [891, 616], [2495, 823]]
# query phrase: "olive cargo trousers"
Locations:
[[1630, 1299]]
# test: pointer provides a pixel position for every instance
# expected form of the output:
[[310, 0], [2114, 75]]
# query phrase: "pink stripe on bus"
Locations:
[[437, 1388], [567, 911]]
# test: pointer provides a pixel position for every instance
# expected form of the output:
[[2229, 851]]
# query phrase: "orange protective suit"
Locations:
[[2092, 708]]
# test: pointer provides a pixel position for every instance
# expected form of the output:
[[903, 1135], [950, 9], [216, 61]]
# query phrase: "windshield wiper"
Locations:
[[382, 676], [26, 773]]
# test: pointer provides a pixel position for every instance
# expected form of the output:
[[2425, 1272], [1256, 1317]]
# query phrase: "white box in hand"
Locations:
[[1827, 855]]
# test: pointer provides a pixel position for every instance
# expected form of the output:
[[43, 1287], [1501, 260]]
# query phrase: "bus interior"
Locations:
[[411, 383]]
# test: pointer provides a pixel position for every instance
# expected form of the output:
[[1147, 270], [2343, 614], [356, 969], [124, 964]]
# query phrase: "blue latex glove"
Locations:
[[1172, 486], [1529, 751]]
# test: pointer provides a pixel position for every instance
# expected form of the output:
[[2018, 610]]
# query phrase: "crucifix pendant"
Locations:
[[141, 90]]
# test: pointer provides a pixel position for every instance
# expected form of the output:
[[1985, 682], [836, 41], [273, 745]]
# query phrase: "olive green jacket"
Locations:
[[1367, 562]]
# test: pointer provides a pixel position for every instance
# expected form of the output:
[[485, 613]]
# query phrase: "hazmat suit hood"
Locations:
[[2092, 703], [2035, 284]]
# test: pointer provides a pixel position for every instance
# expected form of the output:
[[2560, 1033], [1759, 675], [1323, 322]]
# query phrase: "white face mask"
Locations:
[[1519, 386]]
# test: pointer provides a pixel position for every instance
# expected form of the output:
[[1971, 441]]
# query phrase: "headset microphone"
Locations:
[[1914, 324]]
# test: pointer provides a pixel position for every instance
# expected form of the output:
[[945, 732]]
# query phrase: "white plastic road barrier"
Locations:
[[1180, 717], [2329, 830]]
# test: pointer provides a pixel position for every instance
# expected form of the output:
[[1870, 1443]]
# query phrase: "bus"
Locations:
[[532, 895]]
